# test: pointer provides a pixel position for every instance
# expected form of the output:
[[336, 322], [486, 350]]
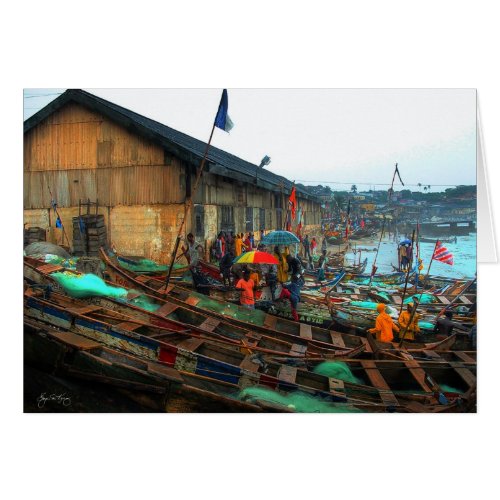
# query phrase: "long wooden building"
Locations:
[[139, 173]]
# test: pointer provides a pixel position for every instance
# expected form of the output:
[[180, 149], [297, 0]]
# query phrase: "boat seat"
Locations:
[[248, 365], [50, 268], [74, 340], [270, 322], [432, 354], [337, 339], [167, 308], [190, 344], [210, 324], [298, 349], [288, 374], [465, 374], [336, 385], [464, 357], [192, 301], [465, 300], [305, 331], [84, 310], [418, 374], [442, 299], [397, 299], [128, 325]]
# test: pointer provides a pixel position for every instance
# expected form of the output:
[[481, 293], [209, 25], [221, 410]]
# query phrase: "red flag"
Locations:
[[442, 254], [292, 203]]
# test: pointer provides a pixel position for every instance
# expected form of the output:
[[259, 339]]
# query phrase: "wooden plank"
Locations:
[[305, 331], [337, 339], [374, 376], [249, 365], [432, 354], [288, 374], [49, 268], [164, 372], [465, 374], [336, 385], [378, 381], [190, 344], [418, 374], [74, 340], [465, 300], [210, 324], [192, 301], [167, 308], [464, 357], [298, 349], [128, 325], [397, 299], [84, 310], [270, 322], [443, 299]]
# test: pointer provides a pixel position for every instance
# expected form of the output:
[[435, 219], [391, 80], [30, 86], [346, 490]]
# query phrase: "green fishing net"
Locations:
[[144, 302], [297, 401], [87, 285], [448, 388], [364, 304], [252, 316], [146, 266], [336, 369], [427, 298]]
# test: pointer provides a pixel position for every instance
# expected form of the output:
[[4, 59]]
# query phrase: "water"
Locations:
[[464, 255]]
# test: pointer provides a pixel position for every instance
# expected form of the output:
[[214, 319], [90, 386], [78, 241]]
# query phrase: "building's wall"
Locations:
[[77, 154]]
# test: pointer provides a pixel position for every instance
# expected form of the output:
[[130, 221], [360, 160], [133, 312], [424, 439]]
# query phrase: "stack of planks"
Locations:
[[34, 234], [89, 234]]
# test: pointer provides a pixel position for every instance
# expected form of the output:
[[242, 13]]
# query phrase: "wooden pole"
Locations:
[[187, 207], [420, 298], [57, 213], [376, 255], [407, 275]]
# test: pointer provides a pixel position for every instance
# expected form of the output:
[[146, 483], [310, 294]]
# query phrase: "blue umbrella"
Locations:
[[280, 238]]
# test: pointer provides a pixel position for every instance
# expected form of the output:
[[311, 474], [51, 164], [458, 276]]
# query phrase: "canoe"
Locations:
[[177, 316], [379, 385], [154, 386]]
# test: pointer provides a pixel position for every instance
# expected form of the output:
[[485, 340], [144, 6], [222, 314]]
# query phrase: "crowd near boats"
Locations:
[[264, 323]]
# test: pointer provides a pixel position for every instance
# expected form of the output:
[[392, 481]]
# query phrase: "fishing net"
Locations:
[[87, 285], [336, 369], [252, 316], [146, 266], [144, 302], [364, 304], [448, 388], [297, 401], [61, 261], [427, 298]]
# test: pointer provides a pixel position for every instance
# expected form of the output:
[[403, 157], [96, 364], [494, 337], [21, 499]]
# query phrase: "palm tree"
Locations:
[[354, 189]]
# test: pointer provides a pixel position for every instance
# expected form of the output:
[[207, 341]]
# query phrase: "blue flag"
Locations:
[[222, 119]]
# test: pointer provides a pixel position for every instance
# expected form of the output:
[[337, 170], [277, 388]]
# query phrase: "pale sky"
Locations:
[[334, 137]]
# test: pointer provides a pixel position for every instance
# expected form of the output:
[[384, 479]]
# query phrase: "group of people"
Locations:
[[408, 327], [236, 243]]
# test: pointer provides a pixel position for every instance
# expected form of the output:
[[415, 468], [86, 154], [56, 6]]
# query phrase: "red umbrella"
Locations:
[[256, 257]]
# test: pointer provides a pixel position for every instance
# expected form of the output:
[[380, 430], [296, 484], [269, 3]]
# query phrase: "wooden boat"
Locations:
[[375, 392], [450, 239], [259, 321], [152, 385], [176, 316]]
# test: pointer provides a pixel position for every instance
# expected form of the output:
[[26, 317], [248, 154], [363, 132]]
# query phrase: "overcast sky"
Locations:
[[335, 137]]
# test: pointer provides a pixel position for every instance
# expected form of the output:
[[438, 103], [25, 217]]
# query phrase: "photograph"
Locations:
[[250, 250]]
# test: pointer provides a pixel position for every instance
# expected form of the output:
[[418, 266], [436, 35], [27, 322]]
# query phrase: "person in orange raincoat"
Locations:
[[383, 325]]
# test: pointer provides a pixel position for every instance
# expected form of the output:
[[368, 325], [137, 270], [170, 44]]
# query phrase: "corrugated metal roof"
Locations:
[[221, 162]]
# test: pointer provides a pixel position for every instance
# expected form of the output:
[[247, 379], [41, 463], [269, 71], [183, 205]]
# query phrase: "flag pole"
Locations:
[[420, 298], [374, 268], [187, 206], [407, 275]]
